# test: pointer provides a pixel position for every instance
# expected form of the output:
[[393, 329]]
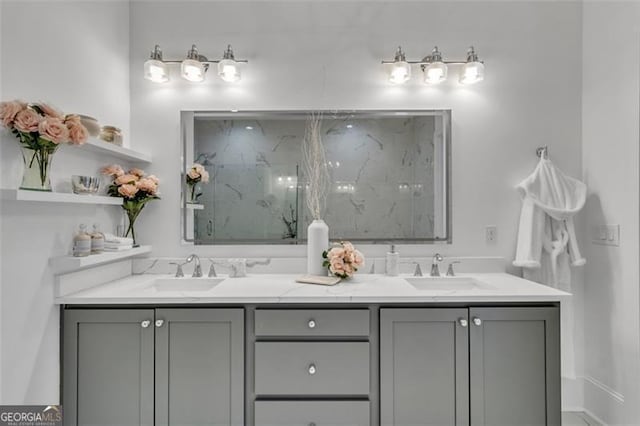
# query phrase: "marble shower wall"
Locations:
[[382, 173]]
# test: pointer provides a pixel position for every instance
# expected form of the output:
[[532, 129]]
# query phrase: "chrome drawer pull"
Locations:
[[159, 323], [145, 323], [311, 323], [312, 369], [463, 322], [477, 321]]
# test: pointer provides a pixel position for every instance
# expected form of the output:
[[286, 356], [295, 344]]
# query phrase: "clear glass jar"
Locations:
[[111, 134]]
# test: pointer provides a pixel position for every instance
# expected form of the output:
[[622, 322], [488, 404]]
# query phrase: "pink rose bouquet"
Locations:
[[136, 187], [343, 260], [195, 175], [40, 130]]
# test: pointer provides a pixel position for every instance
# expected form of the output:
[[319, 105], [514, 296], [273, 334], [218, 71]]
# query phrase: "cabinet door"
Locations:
[[199, 367], [424, 367], [515, 366], [108, 367]]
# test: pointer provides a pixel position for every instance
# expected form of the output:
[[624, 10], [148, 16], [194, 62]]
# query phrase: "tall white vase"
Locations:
[[317, 242]]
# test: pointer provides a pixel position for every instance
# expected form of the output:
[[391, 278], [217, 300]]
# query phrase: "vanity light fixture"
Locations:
[[154, 69], [194, 67], [435, 69], [401, 69], [472, 70]]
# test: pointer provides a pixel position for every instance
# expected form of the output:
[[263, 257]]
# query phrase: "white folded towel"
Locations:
[[119, 248], [112, 239]]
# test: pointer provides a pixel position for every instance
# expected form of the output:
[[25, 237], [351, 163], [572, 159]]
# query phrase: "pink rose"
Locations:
[[147, 185], [126, 179], [128, 190], [154, 179], [72, 118], [336, 266], [358, 259], [348, 246], [78, 134], [113, 170], [198, 167], [205, 176], [193, 174], [9, 110], [136, 172], [27, 121], [53, 129], [50, 111], [348, 269], [336, 253]]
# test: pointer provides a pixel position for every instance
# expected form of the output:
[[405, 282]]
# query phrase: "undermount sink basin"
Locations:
[[447, 283], [185, 284]]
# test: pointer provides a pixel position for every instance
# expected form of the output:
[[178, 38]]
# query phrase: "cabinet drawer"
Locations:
[[312, 322], [304, 413], [312, 368]]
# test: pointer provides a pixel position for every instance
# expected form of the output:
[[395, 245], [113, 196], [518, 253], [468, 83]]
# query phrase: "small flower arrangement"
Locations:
[[195, 175], [40, 129], [135, 187], [343, 260]]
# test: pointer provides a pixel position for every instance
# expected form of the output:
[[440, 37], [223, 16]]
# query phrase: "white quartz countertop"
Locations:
[[282, 288]]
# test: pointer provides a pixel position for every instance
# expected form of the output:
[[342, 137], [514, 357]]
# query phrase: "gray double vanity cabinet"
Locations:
[[304, 364]]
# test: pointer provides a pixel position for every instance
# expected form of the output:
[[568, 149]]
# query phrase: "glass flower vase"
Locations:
[[132, 210], [37, 167]]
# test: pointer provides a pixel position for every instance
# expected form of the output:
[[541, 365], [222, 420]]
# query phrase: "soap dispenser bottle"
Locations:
[[392, 264], [82, 242], [97, 240]]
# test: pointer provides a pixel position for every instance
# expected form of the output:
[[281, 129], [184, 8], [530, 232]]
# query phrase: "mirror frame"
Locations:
[[187, 118]]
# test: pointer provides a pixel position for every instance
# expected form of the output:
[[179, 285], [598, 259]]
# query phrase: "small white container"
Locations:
[[392, 262]]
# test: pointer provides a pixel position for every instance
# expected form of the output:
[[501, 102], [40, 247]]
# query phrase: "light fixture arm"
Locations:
[[194, 54], [435, 56]]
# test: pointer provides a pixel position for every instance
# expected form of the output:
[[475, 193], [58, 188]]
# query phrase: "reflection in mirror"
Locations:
[[389, 174]]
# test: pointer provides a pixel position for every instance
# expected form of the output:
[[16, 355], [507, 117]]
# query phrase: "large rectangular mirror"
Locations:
[[389, 176]]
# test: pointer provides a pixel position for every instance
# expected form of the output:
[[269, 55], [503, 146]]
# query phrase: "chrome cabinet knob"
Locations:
[[145, 323], [312, 369], [159, 323], [311, 323], [477, 321], [463, 322]]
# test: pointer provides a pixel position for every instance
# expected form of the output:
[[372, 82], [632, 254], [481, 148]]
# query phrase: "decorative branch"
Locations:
[[315, 166]]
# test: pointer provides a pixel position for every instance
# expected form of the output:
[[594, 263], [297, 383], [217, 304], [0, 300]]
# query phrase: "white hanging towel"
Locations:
[[547, 240]]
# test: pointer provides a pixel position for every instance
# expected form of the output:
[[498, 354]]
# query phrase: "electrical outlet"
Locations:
[[608, 235], [491, 234]]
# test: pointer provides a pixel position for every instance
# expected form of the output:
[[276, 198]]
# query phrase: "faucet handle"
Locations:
[[450, 272], [179, 272], [418, 270], [212, 269]]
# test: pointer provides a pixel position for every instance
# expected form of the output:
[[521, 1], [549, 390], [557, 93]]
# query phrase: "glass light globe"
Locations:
[[435, 73], [472, 72], [192, 70], [400, 72], [228, 70], [156, 71]]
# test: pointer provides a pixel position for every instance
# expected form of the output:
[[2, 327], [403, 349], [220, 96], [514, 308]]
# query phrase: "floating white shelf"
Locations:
[[195, 206], [126, 154], [70, 263], [57, 197]]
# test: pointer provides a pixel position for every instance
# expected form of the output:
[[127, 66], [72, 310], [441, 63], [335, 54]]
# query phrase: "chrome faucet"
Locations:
[[197, 269], [435, 269], [450, 271]]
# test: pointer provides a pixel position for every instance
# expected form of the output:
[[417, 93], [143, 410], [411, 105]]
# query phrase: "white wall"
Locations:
[[74, 55], [610, 123], [326, 55]]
